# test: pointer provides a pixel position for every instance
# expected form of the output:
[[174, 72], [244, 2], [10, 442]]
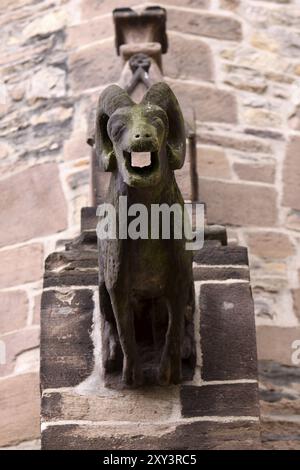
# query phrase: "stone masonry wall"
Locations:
[[236, 63]]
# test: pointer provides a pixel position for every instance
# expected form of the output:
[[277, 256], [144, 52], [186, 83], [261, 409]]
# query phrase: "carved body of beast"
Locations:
[[152, 272]]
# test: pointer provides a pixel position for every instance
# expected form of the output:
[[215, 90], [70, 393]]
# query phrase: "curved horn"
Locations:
[[111, 99], [161, 95]]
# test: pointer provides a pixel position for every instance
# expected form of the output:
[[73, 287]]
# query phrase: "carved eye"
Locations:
[[116, 131]]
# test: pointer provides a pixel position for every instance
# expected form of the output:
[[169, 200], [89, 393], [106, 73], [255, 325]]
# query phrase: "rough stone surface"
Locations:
[[197, 435], [216, 400], [270, 245], [256, 204], [213, 163], [188, 59], [19, 410], [226, 313], [24, 199], [66, 343], [15, 344], [292, 174], [255, 172], [205, 24], [276, 343], [29, 270], [209, 103], [94, 65], [13, 310]]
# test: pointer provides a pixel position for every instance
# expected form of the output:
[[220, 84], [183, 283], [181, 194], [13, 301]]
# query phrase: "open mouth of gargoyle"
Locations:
[[141, 163]]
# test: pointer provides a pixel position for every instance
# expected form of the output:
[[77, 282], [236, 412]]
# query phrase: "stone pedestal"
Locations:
[[218, 409]]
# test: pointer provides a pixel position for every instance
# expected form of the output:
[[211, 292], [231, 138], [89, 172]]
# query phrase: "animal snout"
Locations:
[[142, 136]]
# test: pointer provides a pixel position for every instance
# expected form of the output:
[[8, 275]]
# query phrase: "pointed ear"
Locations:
[[111, 99], [161, 95]]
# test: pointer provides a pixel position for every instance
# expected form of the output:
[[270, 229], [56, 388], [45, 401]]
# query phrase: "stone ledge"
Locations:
[[214, 435]]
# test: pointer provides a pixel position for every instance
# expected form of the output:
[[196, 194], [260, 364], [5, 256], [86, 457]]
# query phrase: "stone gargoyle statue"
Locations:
[[146, 285]]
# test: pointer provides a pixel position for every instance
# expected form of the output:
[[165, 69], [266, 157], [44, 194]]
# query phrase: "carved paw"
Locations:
[[132, 375], [169, 371]]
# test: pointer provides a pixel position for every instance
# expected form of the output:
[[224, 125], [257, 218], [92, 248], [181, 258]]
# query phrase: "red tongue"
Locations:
[[140, 159]]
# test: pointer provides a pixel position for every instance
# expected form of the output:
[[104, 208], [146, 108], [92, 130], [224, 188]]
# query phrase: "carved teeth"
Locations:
[[140, 159]]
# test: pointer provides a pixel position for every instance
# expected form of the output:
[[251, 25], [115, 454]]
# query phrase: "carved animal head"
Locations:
[[142, 141]]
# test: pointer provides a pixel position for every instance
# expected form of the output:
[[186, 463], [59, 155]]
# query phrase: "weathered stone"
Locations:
[[293, 220], [45, 25], [230, 4], [21, 265], [205, 24], [212, 162], [262, 40], [13, 311], [291, 174], [227, 332], [19, 409], [233, 141], [66, 343], [210, 104], [238, 204], [49, 82], [94, 30], [15, 344], [294, 119], [261, 118], [76, 147], [32, 204], [264, 133], [240, 399], [219, 274], [255, 172], [272, 245], [280, 434], [94, 8], [72, 268], [152, 405], [188, 59], [244, 79], [36, 309], [59, 115], [87, 70], [177, 436], [275, 343], [222, 255]]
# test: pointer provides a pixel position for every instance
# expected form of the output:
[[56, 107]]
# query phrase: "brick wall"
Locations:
[[236, 62]]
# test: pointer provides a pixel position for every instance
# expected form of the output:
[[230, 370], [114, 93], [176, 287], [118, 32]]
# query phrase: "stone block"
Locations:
[[13, 310], [19, 409], [227, 332], [239, 399], [15, 344], [13, 272], [291, 174], [270, 245], [239, 203], [205, 24], [32, 204], [66, 343], [93, 66], [190, 436]]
